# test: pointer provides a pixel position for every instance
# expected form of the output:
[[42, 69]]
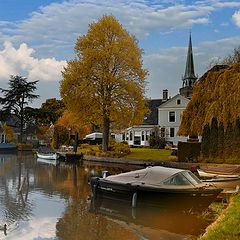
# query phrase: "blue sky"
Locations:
[[38, 37]]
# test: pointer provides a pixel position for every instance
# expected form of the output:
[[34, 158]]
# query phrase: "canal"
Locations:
[[40, 200]]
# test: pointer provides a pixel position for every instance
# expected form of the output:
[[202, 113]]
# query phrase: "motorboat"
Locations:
[[215, 174], [157, 186]]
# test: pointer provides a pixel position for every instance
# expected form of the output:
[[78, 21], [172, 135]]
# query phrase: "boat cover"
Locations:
[[157, 176]]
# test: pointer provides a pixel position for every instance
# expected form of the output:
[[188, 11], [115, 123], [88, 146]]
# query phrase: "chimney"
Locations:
[[165, 95]]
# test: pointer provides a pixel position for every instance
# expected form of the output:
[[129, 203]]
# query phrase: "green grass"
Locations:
[[227, 226], [141, 153], [149, 154]]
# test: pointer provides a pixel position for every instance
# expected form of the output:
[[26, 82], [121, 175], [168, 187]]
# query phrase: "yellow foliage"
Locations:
[[106, 81], [216, 95], [75, 122]]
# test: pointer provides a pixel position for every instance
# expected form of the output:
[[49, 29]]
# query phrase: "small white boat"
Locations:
[[48, 156], [225, 182], [213, 174]]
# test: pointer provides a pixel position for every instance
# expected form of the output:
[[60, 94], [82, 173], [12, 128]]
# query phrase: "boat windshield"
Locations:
[[183, 178], [191, 177]]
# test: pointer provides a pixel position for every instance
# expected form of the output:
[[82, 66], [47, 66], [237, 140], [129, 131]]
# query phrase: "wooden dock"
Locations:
[[70, 157]]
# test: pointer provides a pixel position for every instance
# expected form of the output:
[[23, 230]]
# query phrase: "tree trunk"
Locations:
[[106, 128]]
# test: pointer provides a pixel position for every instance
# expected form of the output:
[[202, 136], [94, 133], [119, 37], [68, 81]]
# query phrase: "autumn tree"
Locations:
[[70, 121], [17, 97], [105, 83], [214, 112]]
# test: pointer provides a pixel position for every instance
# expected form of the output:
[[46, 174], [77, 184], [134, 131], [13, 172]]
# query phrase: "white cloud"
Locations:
[[20, 61], [236, 18], [59, 24]]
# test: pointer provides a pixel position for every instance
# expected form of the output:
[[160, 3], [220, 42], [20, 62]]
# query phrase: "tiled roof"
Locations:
[[152, 117]]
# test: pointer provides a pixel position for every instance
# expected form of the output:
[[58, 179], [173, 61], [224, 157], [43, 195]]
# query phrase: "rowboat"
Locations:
[[157, 186], [225, 182], [48, 156], [215, 174]]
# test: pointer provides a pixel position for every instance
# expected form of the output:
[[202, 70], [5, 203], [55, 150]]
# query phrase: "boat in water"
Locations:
[[47, 156], [157, 186], [216, 174], [47, 153], [227, 183]]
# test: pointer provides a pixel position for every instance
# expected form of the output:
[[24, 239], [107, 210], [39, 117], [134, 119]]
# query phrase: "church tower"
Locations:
[[189, 77]]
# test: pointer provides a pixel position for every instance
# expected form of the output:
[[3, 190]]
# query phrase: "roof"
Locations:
[[169, 103], [152, 117]]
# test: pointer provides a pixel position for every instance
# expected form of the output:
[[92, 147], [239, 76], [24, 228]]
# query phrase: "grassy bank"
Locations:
[[227, 226], [138, 153], [149, 154]]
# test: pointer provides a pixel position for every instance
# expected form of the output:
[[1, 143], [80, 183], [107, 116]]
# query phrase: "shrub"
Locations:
[[85, 146], [121, 148]]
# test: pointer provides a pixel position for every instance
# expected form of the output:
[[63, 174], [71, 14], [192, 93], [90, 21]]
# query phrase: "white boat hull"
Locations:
[[48, 156], [205, 174]]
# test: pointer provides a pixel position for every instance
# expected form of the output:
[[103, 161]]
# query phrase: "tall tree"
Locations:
[[105, 83], [16, 98], [214, 112], [51, 110]]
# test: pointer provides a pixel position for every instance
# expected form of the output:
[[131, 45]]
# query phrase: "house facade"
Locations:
[[165, 114], [139, 135], [169, 118]]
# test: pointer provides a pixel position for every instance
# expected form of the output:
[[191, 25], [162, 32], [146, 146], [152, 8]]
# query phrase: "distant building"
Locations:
[[165, 113]]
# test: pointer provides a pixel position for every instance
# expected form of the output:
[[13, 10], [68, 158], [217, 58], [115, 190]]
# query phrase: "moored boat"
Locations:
[[157, 186], [225, 182], [47, 156], [215, 174], [47, 153]]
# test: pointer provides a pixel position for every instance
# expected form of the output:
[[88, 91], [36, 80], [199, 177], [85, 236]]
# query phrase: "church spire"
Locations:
[[189, 76]]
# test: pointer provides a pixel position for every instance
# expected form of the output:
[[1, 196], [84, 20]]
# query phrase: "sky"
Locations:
[[37, 38]]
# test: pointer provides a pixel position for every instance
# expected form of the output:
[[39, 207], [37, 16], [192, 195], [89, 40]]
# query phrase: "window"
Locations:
[[131, 136], [147, 135], [171, 116], [178, 101], [172, 132], [143, 136]]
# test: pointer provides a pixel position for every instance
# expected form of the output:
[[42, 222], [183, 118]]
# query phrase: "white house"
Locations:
[[166, 113], [169, 118]]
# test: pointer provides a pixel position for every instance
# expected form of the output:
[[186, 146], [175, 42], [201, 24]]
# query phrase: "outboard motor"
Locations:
[[105, 174]]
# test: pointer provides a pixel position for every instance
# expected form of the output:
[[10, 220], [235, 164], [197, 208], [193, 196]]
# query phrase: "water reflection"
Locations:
[[42, 200]]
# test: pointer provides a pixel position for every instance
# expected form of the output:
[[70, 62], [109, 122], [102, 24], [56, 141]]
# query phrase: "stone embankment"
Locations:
[[146, 163]]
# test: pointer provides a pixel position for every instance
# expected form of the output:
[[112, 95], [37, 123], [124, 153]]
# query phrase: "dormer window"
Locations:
[[178, 101]]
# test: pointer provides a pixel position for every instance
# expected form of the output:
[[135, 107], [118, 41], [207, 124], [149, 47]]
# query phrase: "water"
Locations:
[[55, 203]]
